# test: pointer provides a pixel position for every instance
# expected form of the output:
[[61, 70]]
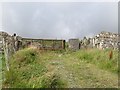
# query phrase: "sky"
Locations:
[[59, 20]]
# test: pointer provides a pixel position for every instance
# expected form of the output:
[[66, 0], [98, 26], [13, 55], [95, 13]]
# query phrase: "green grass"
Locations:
[[100, 58], [27, 69], [32, 68], [1, 71]]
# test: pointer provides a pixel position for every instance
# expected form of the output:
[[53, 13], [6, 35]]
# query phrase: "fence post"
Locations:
[[5, 47], [53, 45], [63, 44]]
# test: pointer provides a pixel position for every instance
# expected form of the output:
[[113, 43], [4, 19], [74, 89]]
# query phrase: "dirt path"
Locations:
[[66, 75], [79, 74]]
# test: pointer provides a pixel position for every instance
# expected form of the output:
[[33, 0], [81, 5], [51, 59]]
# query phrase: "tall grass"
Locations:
[[99, 58], [28, 67], [28, 70], [52, 80]]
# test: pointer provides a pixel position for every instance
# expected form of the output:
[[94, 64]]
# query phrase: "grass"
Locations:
[[100, 58], [0, 70], [32, 68], [28, 69]]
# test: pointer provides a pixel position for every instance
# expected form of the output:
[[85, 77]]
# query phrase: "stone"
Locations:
[[74, 44], [106, 40]]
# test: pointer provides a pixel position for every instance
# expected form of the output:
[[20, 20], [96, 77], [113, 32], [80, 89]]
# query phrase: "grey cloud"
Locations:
[[59, 20]]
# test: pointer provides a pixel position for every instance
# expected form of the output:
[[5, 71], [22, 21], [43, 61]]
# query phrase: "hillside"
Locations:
[[31, 68]]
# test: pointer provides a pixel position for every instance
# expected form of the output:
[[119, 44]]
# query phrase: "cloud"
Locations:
[[59, 0], [0, 16], [59, 20]]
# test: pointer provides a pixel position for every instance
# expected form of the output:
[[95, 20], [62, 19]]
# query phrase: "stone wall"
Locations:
[[10, 42], [6, 37], [106, 40], [48, 44], [1, 48], [102, 40], [74, 44]]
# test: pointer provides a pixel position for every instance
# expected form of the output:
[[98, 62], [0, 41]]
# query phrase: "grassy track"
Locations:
[[81, 69]]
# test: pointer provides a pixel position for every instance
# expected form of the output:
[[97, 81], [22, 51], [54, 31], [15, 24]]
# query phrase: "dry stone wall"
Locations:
[[106, 40], [45, 44], [10, 42], [102, 40], [74, 44]]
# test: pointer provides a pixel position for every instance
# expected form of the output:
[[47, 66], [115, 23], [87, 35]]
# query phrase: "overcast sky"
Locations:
[[61, 20]]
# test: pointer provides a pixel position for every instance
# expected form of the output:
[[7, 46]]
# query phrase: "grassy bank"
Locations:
[[32, 68], [28, 69], [100, 58]]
